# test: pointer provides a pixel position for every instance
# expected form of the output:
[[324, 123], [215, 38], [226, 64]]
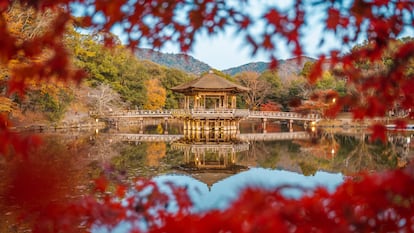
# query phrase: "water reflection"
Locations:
[[351, 152], [304, 152], [210, 155], [222, 161]]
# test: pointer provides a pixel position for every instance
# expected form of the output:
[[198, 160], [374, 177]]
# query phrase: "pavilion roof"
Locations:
[[212, 176], [209, 82]]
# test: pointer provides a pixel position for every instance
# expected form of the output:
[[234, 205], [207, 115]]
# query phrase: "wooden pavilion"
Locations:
[[210, 107], [210, 91]]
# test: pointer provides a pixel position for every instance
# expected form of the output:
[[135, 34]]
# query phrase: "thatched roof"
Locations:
[[209, 82]]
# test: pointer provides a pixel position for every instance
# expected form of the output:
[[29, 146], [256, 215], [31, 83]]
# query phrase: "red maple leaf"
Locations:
[[378, 132]]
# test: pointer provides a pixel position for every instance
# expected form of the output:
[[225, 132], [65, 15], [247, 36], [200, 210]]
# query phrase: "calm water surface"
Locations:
[[222, 163], [214, 165]]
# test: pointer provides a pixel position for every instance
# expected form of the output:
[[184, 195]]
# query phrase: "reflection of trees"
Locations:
[[274, 154], [101, 148], [55, 172], [155, 151], [263, 154], [357, 154], [328, 144], [143, 159], [360, 158], [333, 150], [400, 145], [131, 159]]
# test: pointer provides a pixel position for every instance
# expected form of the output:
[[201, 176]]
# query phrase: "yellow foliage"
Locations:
[[6, 104], [155, 151], [156, 95]]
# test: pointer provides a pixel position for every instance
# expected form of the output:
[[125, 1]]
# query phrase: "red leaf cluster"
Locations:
[[380, 202], [270, 106], [375, 203], [14, 144], [41, 58]]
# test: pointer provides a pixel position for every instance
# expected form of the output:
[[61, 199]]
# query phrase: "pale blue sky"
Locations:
[[227, 49]]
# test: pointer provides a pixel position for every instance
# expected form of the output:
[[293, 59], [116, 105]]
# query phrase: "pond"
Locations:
[[214, 166]]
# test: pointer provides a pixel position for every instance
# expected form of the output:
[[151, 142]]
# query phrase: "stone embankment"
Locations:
[[62, 126], [344, 121]]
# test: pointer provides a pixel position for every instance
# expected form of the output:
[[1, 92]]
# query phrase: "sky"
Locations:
[[227, 50]]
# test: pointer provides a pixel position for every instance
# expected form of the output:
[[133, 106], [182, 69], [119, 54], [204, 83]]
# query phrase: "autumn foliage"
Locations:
[[371, 203], [380, 202]]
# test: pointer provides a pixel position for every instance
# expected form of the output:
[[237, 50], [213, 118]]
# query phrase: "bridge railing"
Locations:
[[132, 113], [282, 115], [274, 136], [179, 113]]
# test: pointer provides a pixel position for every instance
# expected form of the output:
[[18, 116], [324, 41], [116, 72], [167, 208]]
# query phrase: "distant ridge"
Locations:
[[258, 67], [286, 68], [178, 61]]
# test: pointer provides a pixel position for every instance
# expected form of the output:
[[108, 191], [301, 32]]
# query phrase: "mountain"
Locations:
[[179, 61], [286, 68], [187, 63], [258, 67]]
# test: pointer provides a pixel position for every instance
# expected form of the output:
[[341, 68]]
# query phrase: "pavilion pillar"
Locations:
[[226, 101], [186, 156], [185, 102]]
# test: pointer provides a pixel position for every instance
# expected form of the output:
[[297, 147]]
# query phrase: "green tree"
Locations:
[[276, 86], [328, 82], [172, 78]]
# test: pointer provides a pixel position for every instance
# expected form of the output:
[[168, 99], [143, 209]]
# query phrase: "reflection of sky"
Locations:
[[227, 190]]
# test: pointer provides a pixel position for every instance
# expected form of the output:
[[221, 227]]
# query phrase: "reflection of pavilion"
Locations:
[[211, 161], [210, 155]]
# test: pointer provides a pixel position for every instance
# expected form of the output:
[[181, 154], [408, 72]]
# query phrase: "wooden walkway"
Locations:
[[274, 136], [243, 137], [210, 113], [125, 137]]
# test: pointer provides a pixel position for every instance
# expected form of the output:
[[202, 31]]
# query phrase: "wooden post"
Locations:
[[141, 125], [165, 125], [264, 120]]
